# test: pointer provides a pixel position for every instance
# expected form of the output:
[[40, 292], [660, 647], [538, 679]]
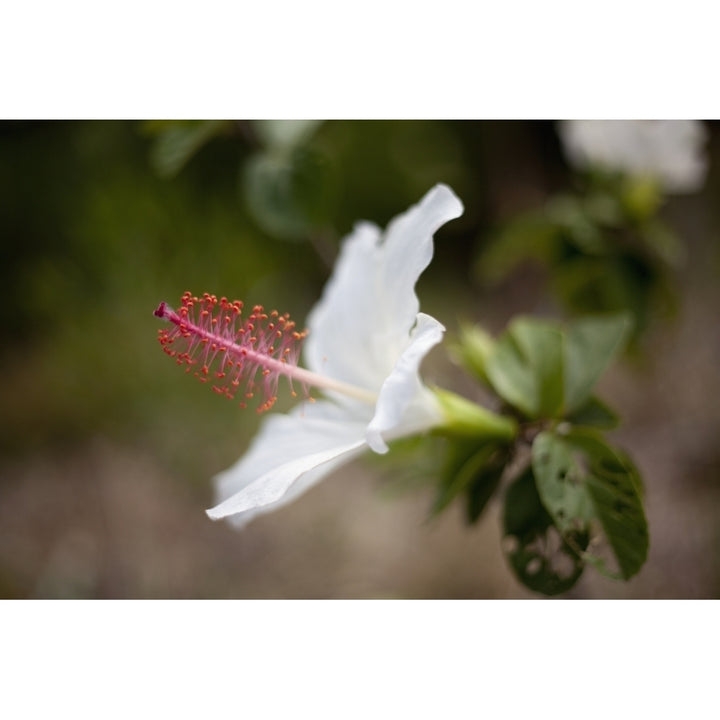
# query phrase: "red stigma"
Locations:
[[160, 310]]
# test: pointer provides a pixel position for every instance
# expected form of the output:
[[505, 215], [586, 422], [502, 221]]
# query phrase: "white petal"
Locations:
[[288, 456], [408, 249], [343, 323], [361, 325], [404, 405]]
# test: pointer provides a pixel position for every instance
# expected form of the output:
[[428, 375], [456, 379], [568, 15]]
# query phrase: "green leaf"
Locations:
[[540, 557], [466, 466], [531, 237], [511, 376], [591, 344], [577, 225], [484, 483], [607, 285], [287, 194], [583, 483], [525, 367], [285, 135], [473, 350], [179, 141], [604, 209], [548, 372], [594, 413], [541, 343]]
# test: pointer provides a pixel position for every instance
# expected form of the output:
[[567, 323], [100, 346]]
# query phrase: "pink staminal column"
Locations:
[[212, 339]]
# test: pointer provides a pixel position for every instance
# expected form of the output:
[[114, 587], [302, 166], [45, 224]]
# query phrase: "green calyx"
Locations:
[[465, 418]]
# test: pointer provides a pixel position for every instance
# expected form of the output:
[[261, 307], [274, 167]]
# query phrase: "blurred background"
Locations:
[[107, 449]]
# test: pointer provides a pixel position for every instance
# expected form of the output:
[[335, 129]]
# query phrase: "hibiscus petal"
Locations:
[[404, 405], [342, 324], [408, 249], [287, 457], [361, 325]]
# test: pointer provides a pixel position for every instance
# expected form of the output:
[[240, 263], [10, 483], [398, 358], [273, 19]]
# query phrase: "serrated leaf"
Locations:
[[591, 344], [581, 481], [540, 557]]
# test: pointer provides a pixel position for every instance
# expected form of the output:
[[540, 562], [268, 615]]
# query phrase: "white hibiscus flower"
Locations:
[[366, 332], [669, 151], [366, 341]]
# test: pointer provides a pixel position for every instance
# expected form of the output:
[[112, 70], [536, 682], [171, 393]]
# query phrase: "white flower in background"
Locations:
[[669, 151], [367, 339]]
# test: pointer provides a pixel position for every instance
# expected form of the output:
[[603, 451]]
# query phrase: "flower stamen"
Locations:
[[210, 337]]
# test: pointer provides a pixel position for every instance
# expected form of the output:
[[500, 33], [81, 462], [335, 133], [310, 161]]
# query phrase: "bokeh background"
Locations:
[[107, 449]]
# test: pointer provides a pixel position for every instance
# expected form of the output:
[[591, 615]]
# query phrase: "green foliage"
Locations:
[[525, 367], [472, 350], [285, 135], [473, 469], [584, 484], [178, 141], [285, 185], [579, 498], [596, 414], [604, 248], [287, 194], [546, 371], [543, 560], [530, 237], [590, 346]]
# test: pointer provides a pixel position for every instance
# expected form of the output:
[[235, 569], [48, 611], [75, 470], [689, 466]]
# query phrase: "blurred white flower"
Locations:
[[670, 151], [365, 332]]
